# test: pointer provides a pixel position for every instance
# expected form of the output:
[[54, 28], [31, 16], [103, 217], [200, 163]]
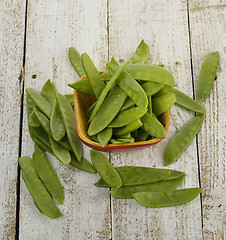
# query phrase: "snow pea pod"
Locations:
[[128, 116], [142, 134], [187, 102], [33, 120], [150, 105], [70, 98], [122, 140], [128, 104], [164, 90], [128, 128], [70, 125], [89, 111], [127, 192], [163, 103], [182, 139], [76, 61], [151, 88], [105, 169], [93, 75], [30, 105], [48, 92], [104, 136], [207, 76], [83, 86], [108, 110], [153, 73], [39, 193], [44, 121], [167, 198], [47, 175], [141, 54]]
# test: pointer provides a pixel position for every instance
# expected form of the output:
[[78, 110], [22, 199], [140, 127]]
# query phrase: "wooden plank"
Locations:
[[53, 27], [207, 23], [164, 26], [12, 21]]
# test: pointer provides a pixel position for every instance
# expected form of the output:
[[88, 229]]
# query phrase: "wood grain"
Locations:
[[12, 20], [207, 23]]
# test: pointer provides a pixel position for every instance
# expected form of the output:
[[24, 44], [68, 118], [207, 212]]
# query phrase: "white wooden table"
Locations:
[[34, 39]]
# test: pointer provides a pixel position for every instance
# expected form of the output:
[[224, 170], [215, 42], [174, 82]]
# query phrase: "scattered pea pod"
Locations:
[[76, 61], [141, 54]]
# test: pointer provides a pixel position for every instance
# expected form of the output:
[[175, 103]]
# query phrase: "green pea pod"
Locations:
[[93, 75], [126, 135], [108, 110], [128, 128], [39, 193], [57, 124], [141, 54], [83, 86], [105, 169], [47, 175], [128, 104], [142, 134], [151, 88], [163, 103], [182, 139], [33, 120], [128, 116], [150, 105], [130, 86], [187, 102], [89, 111], [153, 73], [94, 138], [76, 61], [123, 140], [164, 185], [105, 76], [70, 124], [164, 90], [30, 105], [104, 136], [113, 61], [48, 92], [41, 103], [84, 165], [167, 198], [152, 126], [44, 121], [207, 76], [70, 98]]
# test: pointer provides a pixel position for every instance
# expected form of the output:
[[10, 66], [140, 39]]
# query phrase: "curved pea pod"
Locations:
[[182, 139], [105, 169], [153, 73], [128, 128], [76, 61], [41, 103], [39, 193], [141, 54], [108, 110], [167, 198], [57, 124], [70, 98], [93, 75], [48, 92], [83, 86], [104, 136], [164, 90], [47, 175], [44, 121], [70, 125], [152, 126], [128, 104], [33, 120], [163, 103], [174, 174], [122, 140], [207, 76], [187, 102], [151, 88], [128, 116], [130, 86], [164, 185], [84, 165]]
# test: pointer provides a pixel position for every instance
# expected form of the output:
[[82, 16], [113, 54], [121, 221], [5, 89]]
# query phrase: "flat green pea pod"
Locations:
[[70, 98], [151, 88], [122, 140], [33, 120], [128, 128], [70, 125], [182, 139], [83, 86], [108, 110], [48, 92], [56, 124], [105, 76], [163, 103], [41, 103], [187, 102], [30, 105], [164, 90], [127, 116], [142, 135], [76, 61], [94, 138], [153, 73], [164, 185], [207, 76], [105, 169], [141, 54], [130, 86], [84, 165], [166, 198], [104, 136], [128, 104], [152, 126], [93, 75], [39, 193], [47, 175]]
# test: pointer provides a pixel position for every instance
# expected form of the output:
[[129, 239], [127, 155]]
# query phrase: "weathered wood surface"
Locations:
[[12, 17]]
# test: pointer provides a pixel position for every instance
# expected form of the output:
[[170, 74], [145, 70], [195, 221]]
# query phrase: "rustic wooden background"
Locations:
[[34, 39]]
